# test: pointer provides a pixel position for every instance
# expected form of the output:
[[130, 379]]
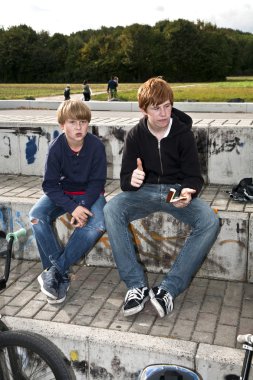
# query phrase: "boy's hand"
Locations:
[[80, 216], [138, 175], [185, 192]]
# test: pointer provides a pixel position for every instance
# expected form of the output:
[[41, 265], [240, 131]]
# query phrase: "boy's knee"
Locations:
[[109, 208], [217, 225], [34, 220]]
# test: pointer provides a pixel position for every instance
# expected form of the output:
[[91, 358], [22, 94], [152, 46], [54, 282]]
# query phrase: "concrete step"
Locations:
[[158, 237]]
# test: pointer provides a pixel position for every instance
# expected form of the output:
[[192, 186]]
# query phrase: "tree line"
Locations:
[[181, 51]]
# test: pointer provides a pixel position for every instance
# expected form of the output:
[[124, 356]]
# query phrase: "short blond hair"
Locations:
[[73, 109], [154, 91]]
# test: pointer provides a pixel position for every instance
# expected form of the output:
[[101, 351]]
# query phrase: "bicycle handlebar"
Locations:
[[247, 338], [16, 235]]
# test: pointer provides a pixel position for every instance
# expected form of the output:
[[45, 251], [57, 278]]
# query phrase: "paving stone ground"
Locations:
[[209, 311]]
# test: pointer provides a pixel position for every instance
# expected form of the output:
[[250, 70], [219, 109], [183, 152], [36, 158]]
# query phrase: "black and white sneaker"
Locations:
[[161, 300], [135, 300]]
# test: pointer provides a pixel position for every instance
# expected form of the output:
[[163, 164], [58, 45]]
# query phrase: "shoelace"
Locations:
[[168, 300], [134, 294], [52, 277]]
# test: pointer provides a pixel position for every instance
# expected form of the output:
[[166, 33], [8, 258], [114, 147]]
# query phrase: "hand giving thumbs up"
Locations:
[[138, 175]]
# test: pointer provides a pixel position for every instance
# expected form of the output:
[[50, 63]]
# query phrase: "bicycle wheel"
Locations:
[[29, 356]]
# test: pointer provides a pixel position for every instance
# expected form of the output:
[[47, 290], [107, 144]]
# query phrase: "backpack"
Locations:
[[243, 192]]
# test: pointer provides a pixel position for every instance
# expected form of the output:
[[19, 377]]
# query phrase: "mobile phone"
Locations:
[[173, 196]]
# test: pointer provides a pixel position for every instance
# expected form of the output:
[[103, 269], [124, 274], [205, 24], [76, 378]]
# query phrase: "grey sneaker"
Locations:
[[135, 300], [49, 282], [64, 285], [161, 300]]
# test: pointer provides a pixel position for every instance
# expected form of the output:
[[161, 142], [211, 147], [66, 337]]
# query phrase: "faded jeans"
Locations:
[[44, 213], [132, 205]]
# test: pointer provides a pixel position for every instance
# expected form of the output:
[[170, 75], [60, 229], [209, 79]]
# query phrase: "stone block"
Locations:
[[230, 154]]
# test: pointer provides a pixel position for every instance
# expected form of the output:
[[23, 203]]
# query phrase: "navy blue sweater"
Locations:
[[67, 171]]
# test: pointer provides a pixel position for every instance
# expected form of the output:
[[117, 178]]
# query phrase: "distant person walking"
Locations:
[[86, 91], [112, 88], [67, 92]]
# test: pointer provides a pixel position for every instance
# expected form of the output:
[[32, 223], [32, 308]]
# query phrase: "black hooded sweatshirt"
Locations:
[[172, 161]]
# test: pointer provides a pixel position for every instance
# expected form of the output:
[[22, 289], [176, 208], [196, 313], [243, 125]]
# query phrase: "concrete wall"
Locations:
[[225, 152], [106, 354]]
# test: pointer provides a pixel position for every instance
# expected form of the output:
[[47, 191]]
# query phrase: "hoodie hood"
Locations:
[[182, 122], [182, 117]]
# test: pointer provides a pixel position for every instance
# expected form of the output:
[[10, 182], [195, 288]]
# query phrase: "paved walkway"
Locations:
[[210, 311]]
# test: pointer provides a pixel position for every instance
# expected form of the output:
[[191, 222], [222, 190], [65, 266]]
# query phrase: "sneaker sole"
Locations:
[[136, 309], [156, 304], [44, 290], [55, 301], [58, 300]]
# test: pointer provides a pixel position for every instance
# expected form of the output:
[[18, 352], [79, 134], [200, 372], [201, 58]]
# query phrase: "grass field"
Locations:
[[233, 87]]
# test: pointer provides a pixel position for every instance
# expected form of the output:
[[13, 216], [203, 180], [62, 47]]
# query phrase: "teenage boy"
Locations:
[[74, 179], [159, 153]]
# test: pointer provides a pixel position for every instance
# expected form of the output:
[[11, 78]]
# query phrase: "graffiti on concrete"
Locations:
[[7, 143], [101, 373], [25, 141], [31, 149], [5, 218], [225, 143]]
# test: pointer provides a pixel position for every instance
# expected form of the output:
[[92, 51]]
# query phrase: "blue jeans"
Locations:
[[44, 213], [132, 205]]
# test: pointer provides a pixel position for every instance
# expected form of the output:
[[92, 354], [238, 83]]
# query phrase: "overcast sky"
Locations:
[[66, 17]]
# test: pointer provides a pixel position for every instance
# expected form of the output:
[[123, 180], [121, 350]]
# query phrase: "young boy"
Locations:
[[74, 179], [160, 153]]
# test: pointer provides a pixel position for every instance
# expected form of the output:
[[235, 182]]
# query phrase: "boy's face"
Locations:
[[159, 115], [75, 130]]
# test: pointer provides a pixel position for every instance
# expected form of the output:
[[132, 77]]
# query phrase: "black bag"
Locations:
[[243, 192]]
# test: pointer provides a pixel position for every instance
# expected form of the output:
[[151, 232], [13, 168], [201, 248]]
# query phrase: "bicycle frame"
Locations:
[[247, 341], [11, 237]]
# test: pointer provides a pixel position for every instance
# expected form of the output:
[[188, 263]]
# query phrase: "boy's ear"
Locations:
[[143, 111]]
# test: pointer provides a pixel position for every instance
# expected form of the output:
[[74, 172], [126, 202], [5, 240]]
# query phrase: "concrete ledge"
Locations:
[[158, 237], [115, 354], [108, 353], [131, 106], [215, 362]]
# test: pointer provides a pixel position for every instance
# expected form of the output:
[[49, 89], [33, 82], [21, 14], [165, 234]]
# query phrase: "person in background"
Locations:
[[160, 153], [86, 91], [112, 86], [73, 183], [67, 92]]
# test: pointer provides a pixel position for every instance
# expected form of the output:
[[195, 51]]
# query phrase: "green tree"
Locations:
[[16, 49], [142, 52]]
